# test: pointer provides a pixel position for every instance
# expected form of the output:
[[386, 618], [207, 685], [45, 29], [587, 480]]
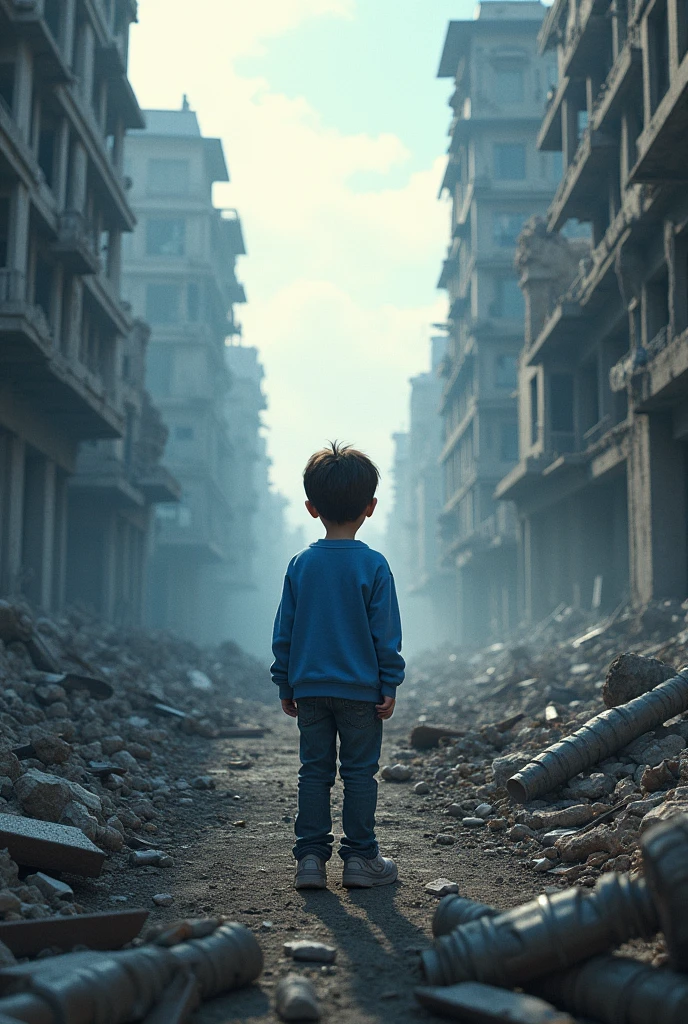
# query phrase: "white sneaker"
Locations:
[[360, 873], [310, 873]]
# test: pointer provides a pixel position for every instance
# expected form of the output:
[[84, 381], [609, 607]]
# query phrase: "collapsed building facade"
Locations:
[[71, 357], [603, 387], [180, 277], [496, 180]]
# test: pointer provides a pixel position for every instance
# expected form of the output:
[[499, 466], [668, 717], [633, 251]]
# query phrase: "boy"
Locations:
[[336, 644]]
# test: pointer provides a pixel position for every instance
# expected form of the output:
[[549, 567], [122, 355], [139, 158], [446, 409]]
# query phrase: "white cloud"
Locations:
[[340, 282]]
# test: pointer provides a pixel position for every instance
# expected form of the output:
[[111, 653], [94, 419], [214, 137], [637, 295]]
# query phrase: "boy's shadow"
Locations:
[[381, 944]]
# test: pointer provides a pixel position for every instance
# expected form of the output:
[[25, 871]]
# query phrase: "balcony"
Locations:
[[158, 485], [584, 45], [28, 17], [661, 146], [626, 71], [24, 330], [581, 183], [549, 135], [105, 477], [76, 243]]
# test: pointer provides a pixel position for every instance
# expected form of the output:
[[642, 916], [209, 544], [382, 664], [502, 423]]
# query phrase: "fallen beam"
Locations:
[[109, 930], [50, 847]]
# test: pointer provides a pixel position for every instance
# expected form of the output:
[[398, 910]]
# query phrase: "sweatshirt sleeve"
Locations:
[[385, 627], [281, 641]]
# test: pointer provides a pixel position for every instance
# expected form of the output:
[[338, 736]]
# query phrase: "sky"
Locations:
[[335, 131]]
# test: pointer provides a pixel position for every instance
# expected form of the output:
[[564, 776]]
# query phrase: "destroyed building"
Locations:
[[71, 357], [180, 277], [426, 588], [603, 388], [496, 180]]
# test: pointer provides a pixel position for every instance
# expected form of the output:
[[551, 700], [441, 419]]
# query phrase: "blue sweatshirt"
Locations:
[[337, 630]]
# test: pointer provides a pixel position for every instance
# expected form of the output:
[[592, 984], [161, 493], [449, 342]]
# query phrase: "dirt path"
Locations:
[[246, 873]]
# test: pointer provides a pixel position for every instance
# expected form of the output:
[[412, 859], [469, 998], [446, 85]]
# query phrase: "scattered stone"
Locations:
[[51, 749], [304, 949], [396, 773], [239, 765], [50, 886], [444, 839], [421, 788], [473, 822], [155, 858], [507, 765], [597, 785], [203, 782], [483, 811], [41, 795], [657, 778], [441, 887], [163, 899], [295, 999]]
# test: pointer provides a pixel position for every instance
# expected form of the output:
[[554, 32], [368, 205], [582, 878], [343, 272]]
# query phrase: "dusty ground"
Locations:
[[246, 872]]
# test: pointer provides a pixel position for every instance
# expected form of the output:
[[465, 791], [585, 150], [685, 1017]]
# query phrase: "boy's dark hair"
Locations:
[[341, 482]]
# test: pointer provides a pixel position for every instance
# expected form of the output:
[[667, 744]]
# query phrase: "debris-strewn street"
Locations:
[[144, 788]]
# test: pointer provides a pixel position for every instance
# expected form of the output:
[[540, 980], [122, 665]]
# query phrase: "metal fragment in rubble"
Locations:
[[484, 1004], [84, 988], [616, 990], [599, 738], [558, 931]]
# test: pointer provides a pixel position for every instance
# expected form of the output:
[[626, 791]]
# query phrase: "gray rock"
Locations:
[[504, 767], [112, 745], [77, 816], [396, 773], [295, 999], [444, 839], [9, 902], [41, 795], [473, 822], [6, 787], [304, 949], [592, 788], [84, 796], [421, 788], [163, 899], [50, 886], [51, 749], [483, 811], [125, 760], [441, 887], [203, 782]]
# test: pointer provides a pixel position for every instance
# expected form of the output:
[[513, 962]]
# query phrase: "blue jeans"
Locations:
[[355, 722]]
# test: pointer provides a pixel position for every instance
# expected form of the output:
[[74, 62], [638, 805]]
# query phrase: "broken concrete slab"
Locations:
[[45, 845], [295, 999], [50, 886], [107, 930], [483, 1004], [305, 949]]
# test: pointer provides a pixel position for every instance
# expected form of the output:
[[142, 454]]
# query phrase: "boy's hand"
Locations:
[[384, 710], [289, 708]]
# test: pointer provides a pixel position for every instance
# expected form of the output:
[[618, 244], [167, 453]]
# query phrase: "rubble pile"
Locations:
[[510, 703], [91, 718]]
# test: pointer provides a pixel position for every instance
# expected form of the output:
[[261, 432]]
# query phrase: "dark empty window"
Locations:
[[658, 32], [561, 402], [4, 229], [509, 300], [510, 161], [159, 369], [165, 236], [162, 303], [168, 177], [506, 371], [534, 411], [51, 14], [7, 85], [46, 154], [508, 441], [508, 85], [507, 227]]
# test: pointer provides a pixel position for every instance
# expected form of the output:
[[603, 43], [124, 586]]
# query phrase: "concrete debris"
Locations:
[[295, 999], [484, 1004], [109, 930], [396, 773], [50, 886], [421, 788], [305, 949], [87, 768], [150, 858], [425, 737], [163, 899], [441, 887]]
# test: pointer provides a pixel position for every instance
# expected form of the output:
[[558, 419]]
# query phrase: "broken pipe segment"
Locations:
[[85, 988], [610, 989], [599, 738], [555, 932]]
